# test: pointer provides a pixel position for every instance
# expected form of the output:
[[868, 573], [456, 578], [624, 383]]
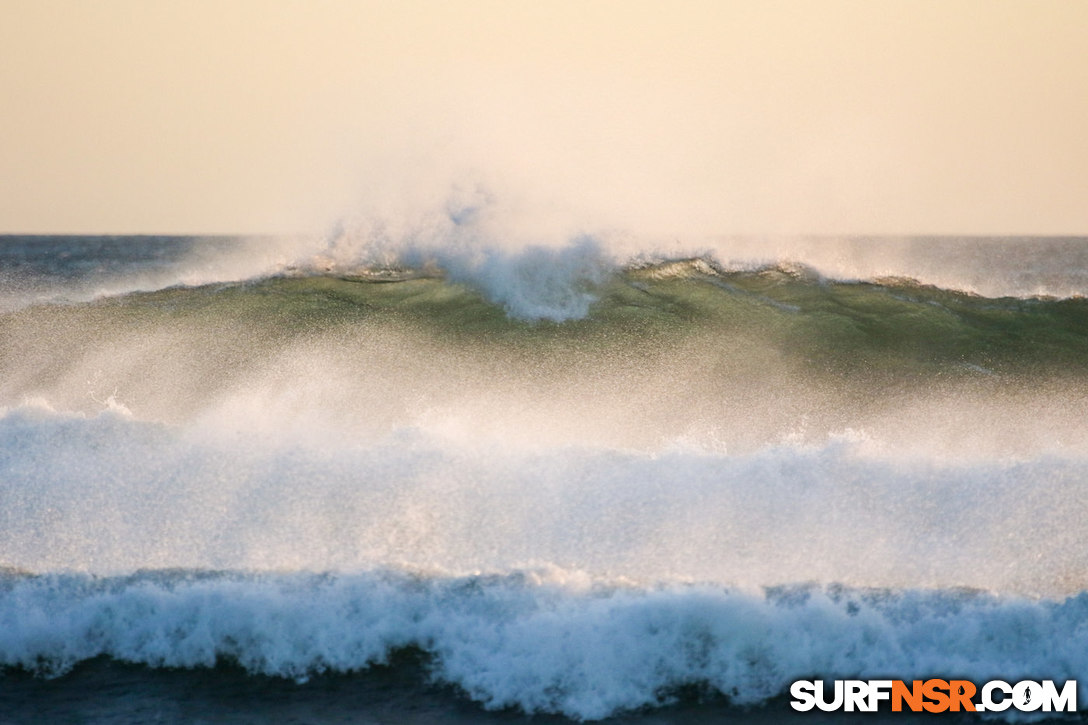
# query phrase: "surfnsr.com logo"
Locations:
[[933, 696]]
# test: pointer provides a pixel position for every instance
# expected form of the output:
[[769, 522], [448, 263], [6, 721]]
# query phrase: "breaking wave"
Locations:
[[545, 641]]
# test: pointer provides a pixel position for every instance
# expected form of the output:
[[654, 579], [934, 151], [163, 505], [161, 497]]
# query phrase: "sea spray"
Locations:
[[562, 481]]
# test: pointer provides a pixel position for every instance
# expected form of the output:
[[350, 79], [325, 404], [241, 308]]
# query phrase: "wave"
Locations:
[[544, 641], [679, 351], [578, 481], [791, 307], [532, 279], [110, 494]]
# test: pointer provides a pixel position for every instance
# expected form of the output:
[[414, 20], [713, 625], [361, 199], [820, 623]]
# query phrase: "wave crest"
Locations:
[[544, 641]]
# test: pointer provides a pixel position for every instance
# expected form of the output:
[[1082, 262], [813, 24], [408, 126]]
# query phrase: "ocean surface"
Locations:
[[349, 479]]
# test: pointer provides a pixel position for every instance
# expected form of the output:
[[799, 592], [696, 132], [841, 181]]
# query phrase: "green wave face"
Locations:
[[679, 349], [886, 327]]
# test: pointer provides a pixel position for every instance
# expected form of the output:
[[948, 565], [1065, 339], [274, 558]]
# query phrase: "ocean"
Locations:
[[347, 479]]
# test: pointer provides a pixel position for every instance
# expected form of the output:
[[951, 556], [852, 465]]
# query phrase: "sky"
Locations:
[[731, 117]]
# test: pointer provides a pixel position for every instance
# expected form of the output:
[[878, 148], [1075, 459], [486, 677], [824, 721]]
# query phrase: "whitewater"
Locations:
[[603, 477]]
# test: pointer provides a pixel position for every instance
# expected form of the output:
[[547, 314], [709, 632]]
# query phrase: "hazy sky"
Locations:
[[753, 116]]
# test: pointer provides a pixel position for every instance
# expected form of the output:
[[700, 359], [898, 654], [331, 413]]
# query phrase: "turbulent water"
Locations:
[[577, 480]]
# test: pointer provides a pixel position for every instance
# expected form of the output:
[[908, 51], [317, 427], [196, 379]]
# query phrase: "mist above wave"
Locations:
[[535, 265]]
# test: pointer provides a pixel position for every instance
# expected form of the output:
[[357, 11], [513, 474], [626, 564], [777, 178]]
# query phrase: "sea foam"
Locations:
[[110, 494], [542, 640]]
